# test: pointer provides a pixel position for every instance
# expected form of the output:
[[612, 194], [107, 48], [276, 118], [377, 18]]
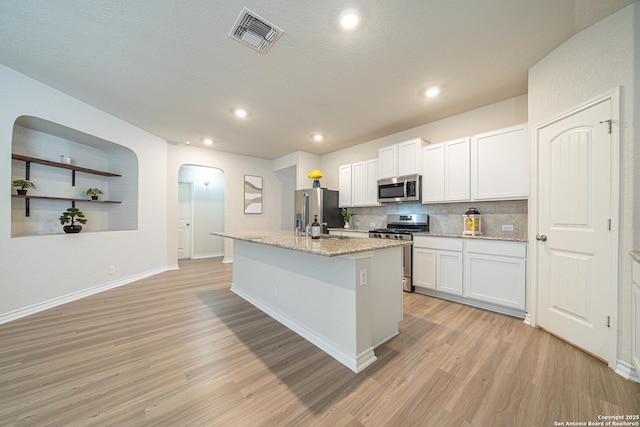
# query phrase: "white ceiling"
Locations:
[[169, 67]]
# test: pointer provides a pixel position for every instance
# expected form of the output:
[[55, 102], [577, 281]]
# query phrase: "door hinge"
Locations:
[[609, 223], [608, 321], [608, 121]]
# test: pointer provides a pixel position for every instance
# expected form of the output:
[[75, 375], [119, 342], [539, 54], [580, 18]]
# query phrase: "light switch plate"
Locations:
[[507, 227]]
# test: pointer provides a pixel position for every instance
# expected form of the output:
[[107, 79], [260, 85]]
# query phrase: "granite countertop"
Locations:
[[482, 237], [326, 245], [635, 255], [357, 230]]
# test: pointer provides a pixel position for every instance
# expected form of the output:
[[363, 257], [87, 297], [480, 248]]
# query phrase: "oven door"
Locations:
[[400, 189]]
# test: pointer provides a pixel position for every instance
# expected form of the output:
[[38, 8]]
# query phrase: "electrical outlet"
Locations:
[[372, 224], [507, 227], [275, 291], [112, 269], [363, 277]]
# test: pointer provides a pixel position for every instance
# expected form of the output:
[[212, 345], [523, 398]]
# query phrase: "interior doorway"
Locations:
[[201, 198]]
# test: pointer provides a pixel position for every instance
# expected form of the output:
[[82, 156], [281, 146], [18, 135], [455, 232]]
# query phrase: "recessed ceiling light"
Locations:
[[349, 19], [208, 141], [431, 92], [241, 113], [187, 142], [317, 137]]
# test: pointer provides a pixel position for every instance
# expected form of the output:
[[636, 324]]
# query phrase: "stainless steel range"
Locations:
[[402, 227]]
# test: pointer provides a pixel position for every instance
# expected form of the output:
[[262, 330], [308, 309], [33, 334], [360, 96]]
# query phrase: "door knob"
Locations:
[[541, 237]]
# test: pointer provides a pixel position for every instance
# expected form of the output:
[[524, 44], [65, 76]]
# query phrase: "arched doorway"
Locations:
[[201, 210]]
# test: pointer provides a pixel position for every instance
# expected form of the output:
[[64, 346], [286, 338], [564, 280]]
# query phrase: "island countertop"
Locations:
[[326, 245]]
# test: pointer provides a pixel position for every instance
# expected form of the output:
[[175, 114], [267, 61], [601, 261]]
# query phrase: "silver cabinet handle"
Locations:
[[541, 237]]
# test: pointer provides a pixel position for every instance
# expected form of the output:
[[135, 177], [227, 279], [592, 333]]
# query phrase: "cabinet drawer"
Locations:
[[445, 243], [491, 247]]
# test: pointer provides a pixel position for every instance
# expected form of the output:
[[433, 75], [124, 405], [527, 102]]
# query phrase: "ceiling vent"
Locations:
[[254, 31]]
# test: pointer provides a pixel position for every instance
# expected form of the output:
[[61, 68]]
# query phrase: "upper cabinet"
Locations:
[[401, 159], [358, 183], [499, 164], [446, 171], [490, 166]]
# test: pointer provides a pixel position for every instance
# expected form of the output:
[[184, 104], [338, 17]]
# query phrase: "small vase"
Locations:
[[316, 183], [346, 225], [72, 228]]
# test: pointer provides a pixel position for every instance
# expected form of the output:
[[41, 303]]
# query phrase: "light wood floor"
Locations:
[[179, 349]]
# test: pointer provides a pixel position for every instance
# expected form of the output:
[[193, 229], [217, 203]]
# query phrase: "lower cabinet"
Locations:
[[495, 272], [437, 264], [485, 273], [635, 297]]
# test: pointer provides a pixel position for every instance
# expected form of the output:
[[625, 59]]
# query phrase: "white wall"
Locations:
[[495, 116], [594, 61], [234, 167], [41, 271]]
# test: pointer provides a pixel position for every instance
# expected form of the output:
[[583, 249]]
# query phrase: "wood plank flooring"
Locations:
[[179, 349]]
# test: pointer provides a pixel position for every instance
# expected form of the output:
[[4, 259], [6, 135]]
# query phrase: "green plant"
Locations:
[[23, 183], [94, 191], [72, 215], [346, 215]]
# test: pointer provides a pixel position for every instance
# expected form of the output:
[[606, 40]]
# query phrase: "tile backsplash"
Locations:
[[448, 217]]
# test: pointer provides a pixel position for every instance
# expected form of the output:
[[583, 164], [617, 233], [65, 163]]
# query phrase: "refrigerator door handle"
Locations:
[[304, 207]]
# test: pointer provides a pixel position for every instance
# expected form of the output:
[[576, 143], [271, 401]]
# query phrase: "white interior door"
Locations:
[[574, 237], [185, 210]]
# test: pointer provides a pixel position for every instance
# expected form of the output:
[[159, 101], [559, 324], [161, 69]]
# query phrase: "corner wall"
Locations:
[[594, 61]]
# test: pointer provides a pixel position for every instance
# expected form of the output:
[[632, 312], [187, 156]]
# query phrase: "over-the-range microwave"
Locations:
[[400, 189]]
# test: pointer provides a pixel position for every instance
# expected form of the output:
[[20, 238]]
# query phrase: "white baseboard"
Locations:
[[36, 308], [226, 260], [628, 371]]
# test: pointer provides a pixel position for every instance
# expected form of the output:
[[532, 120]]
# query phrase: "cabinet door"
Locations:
[[499, 164], [457, 170], [373, 173], [409, 157], [496, 279], [424, 268], [388, 157], [344, 186], [359, 184], [433, 173], [449, 272]]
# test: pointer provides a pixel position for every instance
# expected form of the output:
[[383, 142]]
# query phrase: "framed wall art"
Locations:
[[252, 194]]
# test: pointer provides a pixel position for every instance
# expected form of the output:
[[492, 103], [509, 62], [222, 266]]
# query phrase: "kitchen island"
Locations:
[[342, 294]]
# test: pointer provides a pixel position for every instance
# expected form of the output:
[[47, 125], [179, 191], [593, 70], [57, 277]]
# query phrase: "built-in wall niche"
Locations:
[[39, 148]]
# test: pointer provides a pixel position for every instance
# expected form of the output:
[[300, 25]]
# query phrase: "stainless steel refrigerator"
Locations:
[[316, 201]]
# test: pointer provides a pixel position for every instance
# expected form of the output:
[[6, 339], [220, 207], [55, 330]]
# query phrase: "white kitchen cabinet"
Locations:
[[401, 159], [358, 184], [437, 264], [495, 272], [373, 174], [446, 170], [635, 307], [433, 173], [388, 161], [500, 164], [344, 186]]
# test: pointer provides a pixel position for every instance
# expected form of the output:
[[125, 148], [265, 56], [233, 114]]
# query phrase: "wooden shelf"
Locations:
[[69, 199], [60, 165]]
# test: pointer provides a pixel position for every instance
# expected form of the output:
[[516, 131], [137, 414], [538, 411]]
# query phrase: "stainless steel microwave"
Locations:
[[400, 189]]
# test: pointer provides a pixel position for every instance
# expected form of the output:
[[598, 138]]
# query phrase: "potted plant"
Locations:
[[71, 216], [94, 193], [346, 216], [24, 186]]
